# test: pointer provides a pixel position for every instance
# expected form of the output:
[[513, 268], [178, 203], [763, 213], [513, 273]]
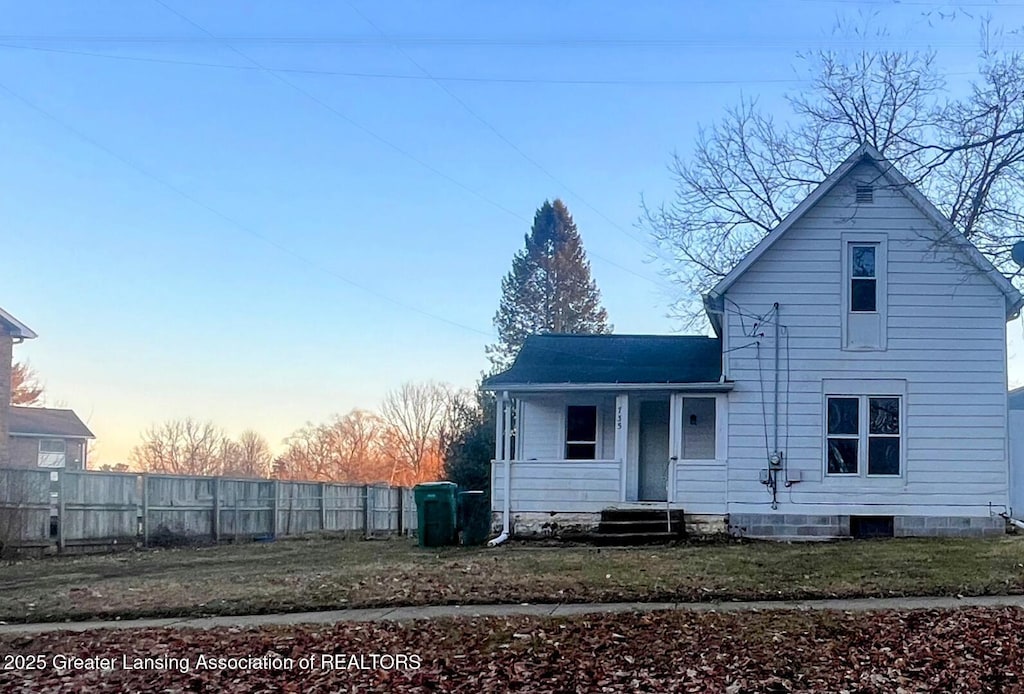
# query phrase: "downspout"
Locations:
[[506, 512]]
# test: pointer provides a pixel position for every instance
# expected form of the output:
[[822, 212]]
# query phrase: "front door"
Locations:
[[654, 420]]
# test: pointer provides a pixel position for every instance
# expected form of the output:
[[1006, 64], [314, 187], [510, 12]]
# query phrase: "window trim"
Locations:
[[864, 394], [597, 432]]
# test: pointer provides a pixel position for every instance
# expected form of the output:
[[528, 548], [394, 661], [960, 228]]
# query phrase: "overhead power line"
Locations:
[[497, 133], [704, 43], [231, 220], [415, 78], [312, 97]]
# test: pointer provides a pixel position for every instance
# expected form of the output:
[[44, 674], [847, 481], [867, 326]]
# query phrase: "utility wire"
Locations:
[[407, 77], [382, 140], [231, 220], [487, 124]]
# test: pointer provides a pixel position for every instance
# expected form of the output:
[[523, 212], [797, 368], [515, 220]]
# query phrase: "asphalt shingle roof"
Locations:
[[44, 421], [581, 359]]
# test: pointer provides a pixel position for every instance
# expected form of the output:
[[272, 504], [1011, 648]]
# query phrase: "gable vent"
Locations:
[[865, 193]]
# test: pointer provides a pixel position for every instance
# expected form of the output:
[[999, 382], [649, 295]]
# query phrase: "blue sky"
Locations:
[[194, 239]]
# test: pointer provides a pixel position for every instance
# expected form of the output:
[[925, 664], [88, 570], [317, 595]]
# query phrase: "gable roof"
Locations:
[[45, 421], [581, 360], [15, 327], [1014, 299]]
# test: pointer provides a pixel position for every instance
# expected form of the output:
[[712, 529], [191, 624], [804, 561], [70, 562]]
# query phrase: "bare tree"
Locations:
[[416, 415], [747, 173], [346, 449], [181, 447], [25, 386], [248, 456]]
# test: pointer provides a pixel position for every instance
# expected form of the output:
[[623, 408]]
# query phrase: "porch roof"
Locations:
[[556, 359]]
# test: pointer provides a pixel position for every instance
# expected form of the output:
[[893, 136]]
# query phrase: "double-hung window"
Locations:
[[862, 435], [52, 453], [581, 432], [863, 278]]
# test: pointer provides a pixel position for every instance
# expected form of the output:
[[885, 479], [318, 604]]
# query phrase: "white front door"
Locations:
[[654, 451]]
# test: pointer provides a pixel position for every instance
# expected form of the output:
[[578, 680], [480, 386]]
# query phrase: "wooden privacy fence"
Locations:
[[101, 509]]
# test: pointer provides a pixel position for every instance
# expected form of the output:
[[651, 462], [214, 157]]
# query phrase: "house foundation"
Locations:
[[554, 524], [788, 526]]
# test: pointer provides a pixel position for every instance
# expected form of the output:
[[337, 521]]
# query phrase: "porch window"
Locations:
[[581, 432], [52, 452], [698, 429], [863, 433]]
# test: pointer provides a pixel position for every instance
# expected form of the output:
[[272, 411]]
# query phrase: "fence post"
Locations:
[[61, 515], [216, 509], [273, 523], [401, 511], [323, 506], [367, 512], [145, 510]]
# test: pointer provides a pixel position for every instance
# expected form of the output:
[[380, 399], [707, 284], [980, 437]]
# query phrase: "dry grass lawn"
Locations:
[[327, 573]]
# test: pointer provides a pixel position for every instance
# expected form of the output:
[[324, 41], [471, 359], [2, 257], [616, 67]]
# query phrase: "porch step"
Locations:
[[638, 538], [639, 526]]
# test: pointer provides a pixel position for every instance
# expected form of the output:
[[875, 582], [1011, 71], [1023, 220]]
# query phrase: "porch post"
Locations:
[[622, 439], [499, 428]]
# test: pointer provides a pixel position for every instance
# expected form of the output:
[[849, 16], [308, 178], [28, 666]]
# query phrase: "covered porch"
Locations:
[[584, 451]]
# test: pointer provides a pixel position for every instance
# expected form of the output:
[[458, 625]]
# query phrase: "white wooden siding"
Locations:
[[543, 426], [1017, 463], [557, 486], [946, 339]]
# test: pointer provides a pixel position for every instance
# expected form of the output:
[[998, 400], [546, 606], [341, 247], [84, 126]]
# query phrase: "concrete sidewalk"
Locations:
[[436, 611]]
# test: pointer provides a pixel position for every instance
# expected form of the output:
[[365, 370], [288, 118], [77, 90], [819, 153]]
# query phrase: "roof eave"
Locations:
[[16, 327], [704, 386]]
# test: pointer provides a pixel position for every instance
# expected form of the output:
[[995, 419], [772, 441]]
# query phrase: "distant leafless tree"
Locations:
[[747, 172], [248, 456], [26, 389], [345, 449], [181, 447], [416, 416]]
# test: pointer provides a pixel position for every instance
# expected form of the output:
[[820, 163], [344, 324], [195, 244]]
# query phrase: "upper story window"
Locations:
[[581, 432], [52, 452], [864, 294], [863, 280]]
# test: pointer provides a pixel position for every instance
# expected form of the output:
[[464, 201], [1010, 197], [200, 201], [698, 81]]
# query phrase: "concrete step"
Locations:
[[639, 514], [639, 526]]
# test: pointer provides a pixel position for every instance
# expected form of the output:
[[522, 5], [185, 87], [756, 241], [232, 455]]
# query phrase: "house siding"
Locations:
[[6, 357], [24, 452], [946, 338], [543, 425]]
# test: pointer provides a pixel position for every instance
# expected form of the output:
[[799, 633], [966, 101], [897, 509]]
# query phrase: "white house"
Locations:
[[856, 384]]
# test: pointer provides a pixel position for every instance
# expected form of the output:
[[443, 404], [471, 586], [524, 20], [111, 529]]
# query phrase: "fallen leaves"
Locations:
[[963, 650]]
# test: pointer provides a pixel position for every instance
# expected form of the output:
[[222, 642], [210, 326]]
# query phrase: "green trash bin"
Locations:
[[474, 517], [435, 513]]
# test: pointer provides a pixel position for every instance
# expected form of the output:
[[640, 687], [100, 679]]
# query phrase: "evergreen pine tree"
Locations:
[[549, 288]]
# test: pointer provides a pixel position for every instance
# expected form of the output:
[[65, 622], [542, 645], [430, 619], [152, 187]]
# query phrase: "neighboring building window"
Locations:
[[863, 280], [52, 452], [581, 432], [863, 429]]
